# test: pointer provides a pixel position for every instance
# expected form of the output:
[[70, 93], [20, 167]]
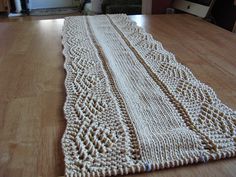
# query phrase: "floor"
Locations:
[[32, 87], [4, 18]]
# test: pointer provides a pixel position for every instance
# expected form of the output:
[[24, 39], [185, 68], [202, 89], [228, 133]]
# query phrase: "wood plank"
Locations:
[[32, 88], [32, 96]]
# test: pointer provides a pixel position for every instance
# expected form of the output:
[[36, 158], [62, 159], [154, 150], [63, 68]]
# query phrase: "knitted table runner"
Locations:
[[131, 107]]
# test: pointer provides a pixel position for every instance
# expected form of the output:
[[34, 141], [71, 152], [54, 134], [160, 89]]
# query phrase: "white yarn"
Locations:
[[131, 107]]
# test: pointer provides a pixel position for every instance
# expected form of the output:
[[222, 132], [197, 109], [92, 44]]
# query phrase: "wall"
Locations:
[[37, 4], [224, 13], [147, 6], [159, 6]]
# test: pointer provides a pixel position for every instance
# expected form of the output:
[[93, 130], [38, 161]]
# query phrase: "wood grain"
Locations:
[[32, 88]]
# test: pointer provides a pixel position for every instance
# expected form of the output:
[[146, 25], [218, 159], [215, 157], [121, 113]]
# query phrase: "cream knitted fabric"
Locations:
[[131, 107]]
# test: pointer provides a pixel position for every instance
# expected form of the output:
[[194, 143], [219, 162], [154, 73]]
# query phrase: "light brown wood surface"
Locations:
[[32, 90]]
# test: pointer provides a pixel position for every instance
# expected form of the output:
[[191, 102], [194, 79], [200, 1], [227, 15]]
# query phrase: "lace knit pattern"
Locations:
[[131, 107]]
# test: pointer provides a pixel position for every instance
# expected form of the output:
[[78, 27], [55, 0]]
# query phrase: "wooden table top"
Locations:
[[32, 91]]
